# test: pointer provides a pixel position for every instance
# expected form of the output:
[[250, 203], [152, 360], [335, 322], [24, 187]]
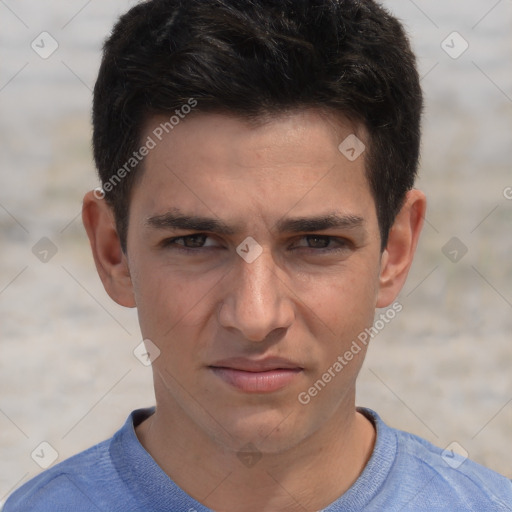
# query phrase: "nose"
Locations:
[[258, 302]]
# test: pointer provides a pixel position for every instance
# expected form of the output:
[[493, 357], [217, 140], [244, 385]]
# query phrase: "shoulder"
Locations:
[[66, 486], [450, 476], [406, 472], [96, 479]]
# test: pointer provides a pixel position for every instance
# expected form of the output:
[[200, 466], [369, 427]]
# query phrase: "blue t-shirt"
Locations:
[[405, 473]]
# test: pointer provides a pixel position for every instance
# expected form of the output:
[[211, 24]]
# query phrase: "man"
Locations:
[[257, 160]]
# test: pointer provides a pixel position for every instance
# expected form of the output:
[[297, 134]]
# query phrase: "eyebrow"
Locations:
[[174, 220], [319, 223]]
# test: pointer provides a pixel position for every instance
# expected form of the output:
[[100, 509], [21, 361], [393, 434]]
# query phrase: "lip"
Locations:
[[257, 365], [257, 376]]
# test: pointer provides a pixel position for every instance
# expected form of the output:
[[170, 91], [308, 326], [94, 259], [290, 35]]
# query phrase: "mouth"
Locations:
[[257, 376]]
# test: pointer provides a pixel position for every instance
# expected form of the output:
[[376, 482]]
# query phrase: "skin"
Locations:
[[304, 298]]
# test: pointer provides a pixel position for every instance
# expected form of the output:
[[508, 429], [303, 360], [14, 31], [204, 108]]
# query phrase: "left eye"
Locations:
[[322, 242]]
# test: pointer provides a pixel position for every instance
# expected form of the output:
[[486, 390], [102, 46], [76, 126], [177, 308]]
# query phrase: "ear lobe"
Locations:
[[402, 241], [111, 262]]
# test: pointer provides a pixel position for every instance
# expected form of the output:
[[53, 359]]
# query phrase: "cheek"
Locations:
[[344, 301], [170, 302]]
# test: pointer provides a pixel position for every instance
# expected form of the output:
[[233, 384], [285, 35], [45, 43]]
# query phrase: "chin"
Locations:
[[270, 431]]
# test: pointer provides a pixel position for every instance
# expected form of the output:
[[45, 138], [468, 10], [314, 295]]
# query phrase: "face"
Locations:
[[254, 255]]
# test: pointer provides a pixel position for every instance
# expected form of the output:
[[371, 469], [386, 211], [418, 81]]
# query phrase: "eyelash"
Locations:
[[171, 243]]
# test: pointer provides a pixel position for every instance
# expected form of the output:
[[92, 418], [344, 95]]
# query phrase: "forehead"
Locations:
[[215, 163], [251, 140]]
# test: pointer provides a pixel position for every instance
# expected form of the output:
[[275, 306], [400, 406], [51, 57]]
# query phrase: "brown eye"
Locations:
[[322, 244], [193, 241], [318, 242]]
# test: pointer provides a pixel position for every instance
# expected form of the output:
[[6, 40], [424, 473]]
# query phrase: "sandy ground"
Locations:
[[440, 369]]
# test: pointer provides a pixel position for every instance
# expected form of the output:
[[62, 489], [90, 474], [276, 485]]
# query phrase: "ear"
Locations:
[[403, 238], [111, 262]]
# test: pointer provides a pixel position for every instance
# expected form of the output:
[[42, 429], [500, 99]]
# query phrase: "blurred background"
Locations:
[[68, 374]]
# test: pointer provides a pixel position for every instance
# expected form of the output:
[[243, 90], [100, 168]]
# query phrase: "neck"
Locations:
[[308, 476]]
